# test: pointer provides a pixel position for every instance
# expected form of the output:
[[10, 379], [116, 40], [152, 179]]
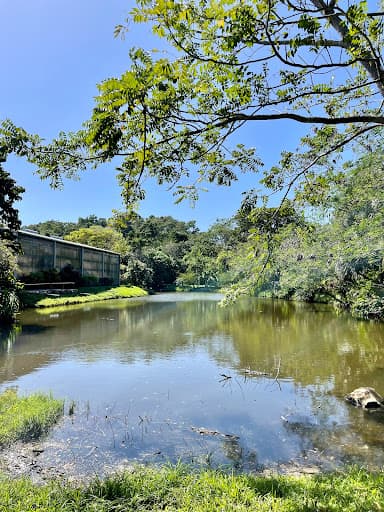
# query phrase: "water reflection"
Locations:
[[145, 371]]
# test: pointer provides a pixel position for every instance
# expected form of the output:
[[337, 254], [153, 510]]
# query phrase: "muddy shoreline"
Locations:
[[28, 460]]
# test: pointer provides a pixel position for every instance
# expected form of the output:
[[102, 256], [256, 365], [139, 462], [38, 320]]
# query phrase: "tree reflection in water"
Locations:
[[272, 372]]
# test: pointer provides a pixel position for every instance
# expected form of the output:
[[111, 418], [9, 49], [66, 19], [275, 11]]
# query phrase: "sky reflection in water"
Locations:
[[264, 382]]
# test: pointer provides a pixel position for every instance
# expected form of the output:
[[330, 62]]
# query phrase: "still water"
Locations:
[[176, 377]]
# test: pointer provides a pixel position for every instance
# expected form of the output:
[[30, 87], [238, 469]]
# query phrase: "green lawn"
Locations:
[[180, 489], [93, 295]]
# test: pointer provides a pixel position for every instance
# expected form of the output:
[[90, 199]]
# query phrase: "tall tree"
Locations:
[[315, 62], [10, 192], [9, 302], [53, 227], [60, 228], [338, 257], [101, 237]]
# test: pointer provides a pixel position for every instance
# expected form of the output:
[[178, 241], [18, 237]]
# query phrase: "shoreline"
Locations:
[[35, 301], [180, 488]]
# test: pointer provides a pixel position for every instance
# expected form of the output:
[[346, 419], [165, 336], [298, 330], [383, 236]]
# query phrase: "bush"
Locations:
[[105, 281], [9, 286], [88, 281], [9, 305], [137, 273], [366, 304], [69, 274], [43, 276]]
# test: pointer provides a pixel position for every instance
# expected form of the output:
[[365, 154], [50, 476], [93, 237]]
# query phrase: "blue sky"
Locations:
[[53, 55]]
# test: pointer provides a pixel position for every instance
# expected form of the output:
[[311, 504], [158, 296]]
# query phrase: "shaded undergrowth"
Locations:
[[178, 488]]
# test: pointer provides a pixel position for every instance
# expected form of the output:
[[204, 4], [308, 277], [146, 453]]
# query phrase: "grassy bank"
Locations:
[[177, 489], [92, 295], [24, 418]]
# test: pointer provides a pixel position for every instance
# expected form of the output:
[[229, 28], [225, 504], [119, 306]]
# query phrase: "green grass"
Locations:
[[95, 294], [180, 489], [25, 418]]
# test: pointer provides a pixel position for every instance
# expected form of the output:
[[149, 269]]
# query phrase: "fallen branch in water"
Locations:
[[255, 373], [204, 431]]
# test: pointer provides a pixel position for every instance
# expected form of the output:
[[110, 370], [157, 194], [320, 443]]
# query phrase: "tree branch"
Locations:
[[378, 120], [372, 66]]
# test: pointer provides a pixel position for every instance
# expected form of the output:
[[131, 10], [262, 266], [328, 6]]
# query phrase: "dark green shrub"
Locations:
[[43, 276], [68, 273], [367, 304], [88, 281], [9, 287], [105, 281]]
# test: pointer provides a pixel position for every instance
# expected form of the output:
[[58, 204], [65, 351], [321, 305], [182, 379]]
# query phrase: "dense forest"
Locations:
[[332, 251], [177, 119]]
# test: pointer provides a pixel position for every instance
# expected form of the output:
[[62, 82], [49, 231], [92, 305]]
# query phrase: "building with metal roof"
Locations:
[[44, 253]]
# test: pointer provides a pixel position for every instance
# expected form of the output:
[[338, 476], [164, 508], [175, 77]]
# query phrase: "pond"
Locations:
[[176, 377]]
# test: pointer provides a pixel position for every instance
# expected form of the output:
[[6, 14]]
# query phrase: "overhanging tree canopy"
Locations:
[[237, 62]]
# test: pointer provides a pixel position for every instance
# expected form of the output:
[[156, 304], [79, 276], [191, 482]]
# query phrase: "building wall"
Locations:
[[44, 253]]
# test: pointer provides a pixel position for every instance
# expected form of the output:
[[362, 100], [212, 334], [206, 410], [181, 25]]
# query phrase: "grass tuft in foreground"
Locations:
[[120, 292], [25, 418], [180, 489]]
